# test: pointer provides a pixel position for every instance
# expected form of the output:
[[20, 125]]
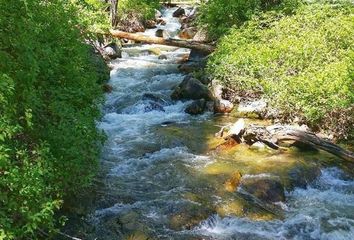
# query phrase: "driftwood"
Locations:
[[164, 41], [273, 135]]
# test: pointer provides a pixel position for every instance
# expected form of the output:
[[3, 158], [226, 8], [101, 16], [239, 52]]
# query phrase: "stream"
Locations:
[[162, 179]]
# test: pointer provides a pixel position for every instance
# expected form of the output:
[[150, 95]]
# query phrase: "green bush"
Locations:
[[145, 9], [49, 95], [302, 63], [218, 16]]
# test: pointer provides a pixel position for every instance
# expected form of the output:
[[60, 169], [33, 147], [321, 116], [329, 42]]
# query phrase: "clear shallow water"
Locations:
[[162, 181]]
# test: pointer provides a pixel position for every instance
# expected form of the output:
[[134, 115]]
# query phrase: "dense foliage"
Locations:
[[303, 63], [145, 9], [49, 94], [218, 16]]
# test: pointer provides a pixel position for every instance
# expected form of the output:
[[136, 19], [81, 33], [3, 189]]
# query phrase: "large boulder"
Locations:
[[196, 107], [179, 12], [232, 183], [191, 89], [188, 33], [265, 188]]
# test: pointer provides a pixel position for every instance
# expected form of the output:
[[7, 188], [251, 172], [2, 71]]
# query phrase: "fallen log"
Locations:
[[164, 41], [273, 135]]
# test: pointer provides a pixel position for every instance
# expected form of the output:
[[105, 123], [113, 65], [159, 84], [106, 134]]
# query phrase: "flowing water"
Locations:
[[162, 180]]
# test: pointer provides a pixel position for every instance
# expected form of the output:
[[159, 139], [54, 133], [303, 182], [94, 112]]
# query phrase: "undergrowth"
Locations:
[[302, 63]]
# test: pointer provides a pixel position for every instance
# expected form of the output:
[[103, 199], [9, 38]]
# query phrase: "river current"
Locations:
[[161, 182]]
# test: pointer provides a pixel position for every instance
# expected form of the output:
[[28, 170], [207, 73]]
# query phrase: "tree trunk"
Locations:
[[114, 13], [168, 41]]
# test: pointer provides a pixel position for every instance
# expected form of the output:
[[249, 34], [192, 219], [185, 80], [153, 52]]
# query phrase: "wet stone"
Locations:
[[196, 107], [267, 189]]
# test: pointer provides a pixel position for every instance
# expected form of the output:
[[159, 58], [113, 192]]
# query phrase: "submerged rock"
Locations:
[[232, 183], [162, 57], [268, 189], [196, 107], [191, 89], [154, 106], [179, 12], [189, 217], [154, 97], [301, 176]]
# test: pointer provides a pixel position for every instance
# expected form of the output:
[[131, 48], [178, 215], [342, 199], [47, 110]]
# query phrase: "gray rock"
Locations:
[[196, 107], [192, 89], [162, 57], [179, 12], [112, 51]]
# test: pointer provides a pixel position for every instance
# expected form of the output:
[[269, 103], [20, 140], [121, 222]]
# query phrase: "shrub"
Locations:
[[218, 16], [302, 63], [49, 98], [143, 8]]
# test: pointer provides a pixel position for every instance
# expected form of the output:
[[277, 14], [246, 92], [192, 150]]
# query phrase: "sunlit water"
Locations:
[[161, 180]]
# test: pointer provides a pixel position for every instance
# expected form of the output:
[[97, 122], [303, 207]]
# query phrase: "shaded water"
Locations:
[[162, 179]]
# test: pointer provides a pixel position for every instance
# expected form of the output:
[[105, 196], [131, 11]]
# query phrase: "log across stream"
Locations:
[[202, 47]]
